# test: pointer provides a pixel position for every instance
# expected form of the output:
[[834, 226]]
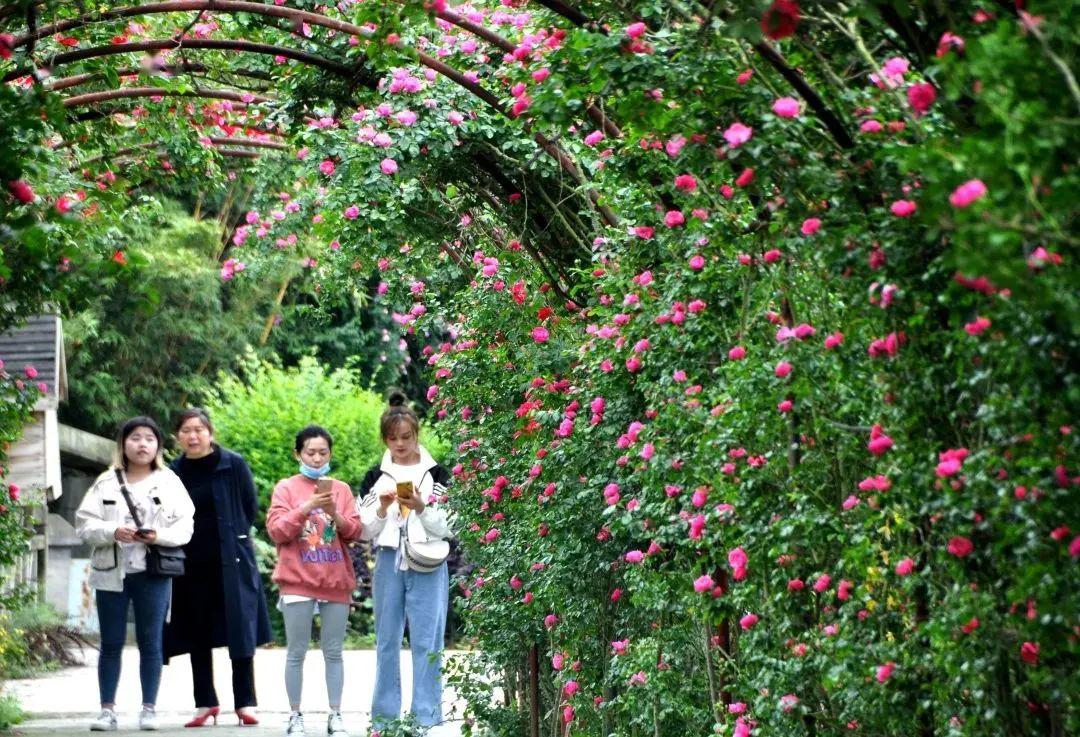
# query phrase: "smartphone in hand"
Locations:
[[324, 485], [404, 489]]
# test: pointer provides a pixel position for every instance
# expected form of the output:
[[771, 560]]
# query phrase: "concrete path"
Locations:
[[62, 703]]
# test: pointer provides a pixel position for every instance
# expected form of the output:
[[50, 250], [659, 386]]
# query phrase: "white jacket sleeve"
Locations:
[[368, 507], [91, 523], [434, 520], [176, 523]]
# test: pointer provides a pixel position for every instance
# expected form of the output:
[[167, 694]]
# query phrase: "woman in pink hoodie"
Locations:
[[312, 518]]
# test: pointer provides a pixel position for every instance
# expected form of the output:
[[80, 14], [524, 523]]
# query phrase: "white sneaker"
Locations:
[[148, 721], [335, 726], [106, 721], [296, 725]]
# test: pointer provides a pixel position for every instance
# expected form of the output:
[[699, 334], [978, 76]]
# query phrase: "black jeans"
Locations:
[[202, 674]]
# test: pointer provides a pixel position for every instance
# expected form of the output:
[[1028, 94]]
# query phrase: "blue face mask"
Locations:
[[314, 473]]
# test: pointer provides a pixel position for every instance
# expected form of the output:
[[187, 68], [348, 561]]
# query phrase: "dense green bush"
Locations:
[[170, 325], [258, 414]]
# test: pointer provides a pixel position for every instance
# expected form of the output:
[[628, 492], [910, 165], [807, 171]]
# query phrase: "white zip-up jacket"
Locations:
[[386, 531], [168, 511]]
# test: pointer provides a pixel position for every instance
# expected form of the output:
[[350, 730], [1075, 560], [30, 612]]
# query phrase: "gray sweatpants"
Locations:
[[298, 616]]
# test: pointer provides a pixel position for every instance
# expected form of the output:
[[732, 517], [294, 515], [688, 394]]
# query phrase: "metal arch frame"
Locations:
[[124, 93], [565, 161], [94, 52]]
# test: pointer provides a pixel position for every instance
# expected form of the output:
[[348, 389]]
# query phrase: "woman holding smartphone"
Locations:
[[312, 519], [136, 503], [408, 482]]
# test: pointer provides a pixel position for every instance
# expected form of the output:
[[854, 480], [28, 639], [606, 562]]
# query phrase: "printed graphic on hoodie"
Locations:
[[319, 540]]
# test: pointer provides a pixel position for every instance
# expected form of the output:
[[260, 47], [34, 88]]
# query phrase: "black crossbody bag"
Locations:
[[160, 560]]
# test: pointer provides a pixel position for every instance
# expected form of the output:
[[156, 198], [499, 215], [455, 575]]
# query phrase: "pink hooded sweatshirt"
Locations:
[[313, 559]]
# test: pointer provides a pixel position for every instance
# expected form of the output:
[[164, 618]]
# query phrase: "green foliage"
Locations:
[[11, 712], [35, 639], [18, 395], [259, 415], [170, 324]]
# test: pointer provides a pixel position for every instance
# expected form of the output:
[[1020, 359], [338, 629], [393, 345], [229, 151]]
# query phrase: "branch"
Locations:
[[813, 100], [197, 43], [136, 92]]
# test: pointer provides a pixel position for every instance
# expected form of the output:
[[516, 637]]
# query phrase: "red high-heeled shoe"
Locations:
[[246, 719], [199, 721]]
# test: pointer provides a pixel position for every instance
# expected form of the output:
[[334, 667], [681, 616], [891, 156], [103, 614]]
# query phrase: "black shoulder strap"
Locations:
[[127, 498]]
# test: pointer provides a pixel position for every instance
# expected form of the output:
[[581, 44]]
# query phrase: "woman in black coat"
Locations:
[[219, 601]]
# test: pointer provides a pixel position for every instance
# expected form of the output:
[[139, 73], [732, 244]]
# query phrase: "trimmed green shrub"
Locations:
[[259, 415]]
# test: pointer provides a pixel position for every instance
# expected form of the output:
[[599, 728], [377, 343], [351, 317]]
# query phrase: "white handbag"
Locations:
[[423, 554]]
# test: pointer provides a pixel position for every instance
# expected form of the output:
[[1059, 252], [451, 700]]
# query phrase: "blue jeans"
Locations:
[[422, 599], [150, 596]]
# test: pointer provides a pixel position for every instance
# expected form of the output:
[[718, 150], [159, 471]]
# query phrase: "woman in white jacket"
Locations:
[[118, 570], [411, 582]]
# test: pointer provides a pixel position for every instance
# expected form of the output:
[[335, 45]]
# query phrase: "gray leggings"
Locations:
[[298, 616]]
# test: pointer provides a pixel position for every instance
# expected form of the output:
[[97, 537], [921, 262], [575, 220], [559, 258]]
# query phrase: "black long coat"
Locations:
[[247, 621]]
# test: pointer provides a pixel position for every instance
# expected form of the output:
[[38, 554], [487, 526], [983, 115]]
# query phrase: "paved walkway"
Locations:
[[63, 702]]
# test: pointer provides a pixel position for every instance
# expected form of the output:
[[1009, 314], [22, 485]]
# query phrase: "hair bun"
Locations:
[[396, 398]]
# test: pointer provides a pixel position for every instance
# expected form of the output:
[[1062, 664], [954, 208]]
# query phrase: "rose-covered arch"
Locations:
[[750, 314]]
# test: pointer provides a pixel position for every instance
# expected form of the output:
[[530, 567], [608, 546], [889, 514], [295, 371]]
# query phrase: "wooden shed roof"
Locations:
[[38, 343]]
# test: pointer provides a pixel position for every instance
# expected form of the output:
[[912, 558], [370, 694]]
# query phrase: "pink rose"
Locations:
[[903, 208], [967, 193], [782, 369], [703, 584], [905, 567], [685, 183], [697, 263], [786, 107], [921, 96], [747, 621], [884, 672], [737, 353], [388, 166], [674, 218], [737, 134], [540, 334], [634, 556], [810, 226]]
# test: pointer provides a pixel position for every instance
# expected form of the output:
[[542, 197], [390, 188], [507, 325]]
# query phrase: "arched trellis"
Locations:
[[92, 98], [564, 160], [188, 67], [253, 47], [223, 146], [358, 73]]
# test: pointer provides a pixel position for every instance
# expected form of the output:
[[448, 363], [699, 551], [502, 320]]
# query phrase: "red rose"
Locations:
[[21, 191], [781, 19]]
